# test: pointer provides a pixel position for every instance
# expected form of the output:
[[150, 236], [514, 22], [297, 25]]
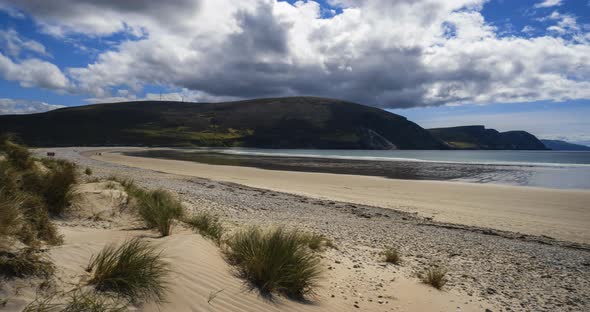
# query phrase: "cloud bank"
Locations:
[[11, 106], [391, 54]]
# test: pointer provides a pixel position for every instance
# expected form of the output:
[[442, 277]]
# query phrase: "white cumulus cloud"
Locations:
[[15, 106], [33, 72], [14, 44]]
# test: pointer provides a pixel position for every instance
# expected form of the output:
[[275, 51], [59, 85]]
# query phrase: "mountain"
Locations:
[[295, 122], [478, 137], [558, 145]]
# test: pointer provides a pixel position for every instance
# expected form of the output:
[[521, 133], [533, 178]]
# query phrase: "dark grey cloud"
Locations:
[[102, 16], [68, 8]]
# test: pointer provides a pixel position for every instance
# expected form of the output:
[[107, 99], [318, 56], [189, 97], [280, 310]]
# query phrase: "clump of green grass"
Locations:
[[80, 301], [435, 277], [55, 186], [275, 260], [134, 270], [392, 255], [159, 209], [77, 301], [9, 179], [26, 262], [128, 184], [11, 218], [316, 241], [16, 155], [38, 225], [207, 225], [88, 171], [59, 188], [27, 192], [24, 216]]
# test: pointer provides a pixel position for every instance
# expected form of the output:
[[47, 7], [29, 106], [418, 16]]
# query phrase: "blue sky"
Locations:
[[506, 64]]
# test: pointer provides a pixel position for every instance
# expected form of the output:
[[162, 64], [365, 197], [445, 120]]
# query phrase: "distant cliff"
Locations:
[[478, 137], [558, 145]]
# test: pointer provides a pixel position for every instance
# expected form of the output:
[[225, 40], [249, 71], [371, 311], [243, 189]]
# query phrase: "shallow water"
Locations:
[[552, 169]]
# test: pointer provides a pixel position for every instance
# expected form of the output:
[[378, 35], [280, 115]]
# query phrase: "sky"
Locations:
[[506, 64]]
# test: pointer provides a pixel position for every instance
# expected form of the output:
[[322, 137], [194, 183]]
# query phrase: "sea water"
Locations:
[[551, 169]]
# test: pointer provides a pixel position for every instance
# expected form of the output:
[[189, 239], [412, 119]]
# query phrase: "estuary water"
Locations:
[[551, 169]]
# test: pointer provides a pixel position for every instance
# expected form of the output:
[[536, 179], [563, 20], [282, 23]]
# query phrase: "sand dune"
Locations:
[[200, 271], [562, 214], [202, 281]]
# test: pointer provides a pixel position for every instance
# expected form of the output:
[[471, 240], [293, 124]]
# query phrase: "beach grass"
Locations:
[[159, 209], [134, 270], [274, 261], [11, 218], [435, 277], [77, 300], [16, 155], [129, 185], [54, 184], [23, 209], [24, 263], [58, 188], [316, 242], [392, 255], [206, 224], [38, 225]]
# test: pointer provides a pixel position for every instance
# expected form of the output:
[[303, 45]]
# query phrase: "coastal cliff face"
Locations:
[[296, 122], [478, 137], [558, 145]]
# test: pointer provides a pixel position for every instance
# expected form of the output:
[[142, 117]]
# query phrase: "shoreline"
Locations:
[[548, 176], [559, 214], [231, 152]]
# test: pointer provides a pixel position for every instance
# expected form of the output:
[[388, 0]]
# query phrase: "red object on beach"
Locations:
[[50, 154]]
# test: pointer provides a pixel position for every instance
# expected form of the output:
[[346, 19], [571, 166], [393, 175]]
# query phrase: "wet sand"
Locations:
[[405, 170]]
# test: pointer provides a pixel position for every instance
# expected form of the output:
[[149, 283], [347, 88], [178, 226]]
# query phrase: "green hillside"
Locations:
[[296, 122]]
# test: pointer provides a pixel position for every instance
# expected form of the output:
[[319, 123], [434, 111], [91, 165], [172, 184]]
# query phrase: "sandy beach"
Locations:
[[487, 269], [560, 214]]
